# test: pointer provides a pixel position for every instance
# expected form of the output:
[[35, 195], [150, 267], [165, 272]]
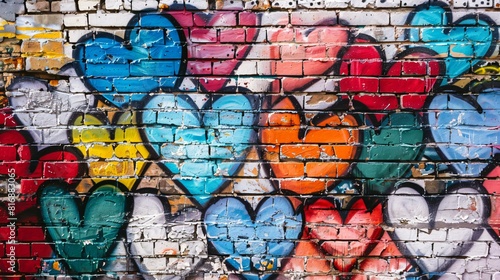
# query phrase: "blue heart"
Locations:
[[466, 128], [210, 143], [148, 59], [253, 240], [468, 38]]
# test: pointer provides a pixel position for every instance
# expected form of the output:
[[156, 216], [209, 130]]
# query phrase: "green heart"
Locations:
[[387, 152], [83, 241]]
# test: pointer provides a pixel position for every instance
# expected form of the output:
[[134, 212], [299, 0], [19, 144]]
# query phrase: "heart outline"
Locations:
[[53, 218], [251, 213], [483, 91], [418, 193], [345, 215], [447, 15], [108, 38], [188, 106], [335, 110]]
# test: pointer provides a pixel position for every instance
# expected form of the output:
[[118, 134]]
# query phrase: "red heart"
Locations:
[[492, 185], [316, 54], [19, 157], [207, 54], [369, 72], [345, 234], [320, 151]]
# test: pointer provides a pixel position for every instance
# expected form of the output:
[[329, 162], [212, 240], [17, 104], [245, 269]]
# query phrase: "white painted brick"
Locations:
[[387, 3], [75, 35], [88, 5], [139, 5], [274, 18], [313, 17], [336, 3], [318, 86], [399, 18], [75, 20], [113, 4], [163, 247], [196, 4], [362, 3], [365, 18], [110, 20], [67, 6], [432, 235], [52, 21], [460, 3], [311, 4], [284, 4], [255, 85], [412, 3], [246, 67], [381, 34]]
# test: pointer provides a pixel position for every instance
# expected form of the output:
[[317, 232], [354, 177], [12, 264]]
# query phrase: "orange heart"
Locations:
[[317, 151]]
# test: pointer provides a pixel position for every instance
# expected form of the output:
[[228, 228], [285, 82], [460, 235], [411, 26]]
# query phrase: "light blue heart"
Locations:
[[464, 132], [211, 142], [463, 45], [253, 239], [148, 59]]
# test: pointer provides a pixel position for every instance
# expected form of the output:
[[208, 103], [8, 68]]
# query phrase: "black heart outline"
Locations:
[[125, 42], [199, 113], [481, 227], [462, 94], [82, 206], [342, 105], [370, 203]]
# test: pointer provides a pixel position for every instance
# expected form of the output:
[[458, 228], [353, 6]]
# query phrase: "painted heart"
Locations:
[[252, 240], [471, 36], [492, 186], [347, 235], [325, 42], [83, 240], [325, 147], [412, 213], [148, 59], [33, 166], [210, 143], [466, 129], [209, 56], [151, 220], [388, 151], [369, 71]]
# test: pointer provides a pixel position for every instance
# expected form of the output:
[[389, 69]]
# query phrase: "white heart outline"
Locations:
[[435, 263]]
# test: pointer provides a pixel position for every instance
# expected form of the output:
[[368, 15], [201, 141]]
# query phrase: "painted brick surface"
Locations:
[[255, 139]]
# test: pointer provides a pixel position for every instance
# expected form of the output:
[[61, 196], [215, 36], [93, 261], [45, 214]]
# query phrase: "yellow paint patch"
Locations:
[[111, 168], [101, 151]]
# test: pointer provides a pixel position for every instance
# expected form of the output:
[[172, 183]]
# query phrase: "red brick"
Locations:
[[8, 153], [29, 266], [42, 250], [29, 233], [22, 250]]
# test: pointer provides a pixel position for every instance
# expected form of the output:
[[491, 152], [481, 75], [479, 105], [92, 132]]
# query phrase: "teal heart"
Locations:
[[388, 151], [83, 242], [462, 43], [200, 147]]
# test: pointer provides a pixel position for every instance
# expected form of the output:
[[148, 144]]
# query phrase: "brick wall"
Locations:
[[264, 139]]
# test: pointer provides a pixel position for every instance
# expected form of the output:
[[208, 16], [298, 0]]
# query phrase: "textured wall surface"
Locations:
[[264, 139]]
